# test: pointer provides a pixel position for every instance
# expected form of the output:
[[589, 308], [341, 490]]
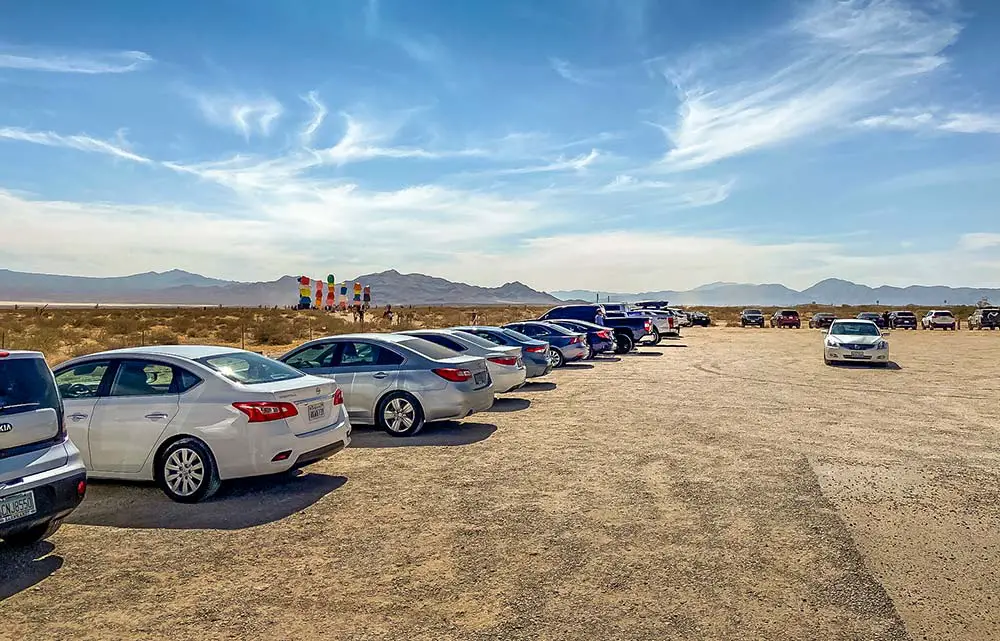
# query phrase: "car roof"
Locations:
[[854, 320], [376, 336], [191, 352]]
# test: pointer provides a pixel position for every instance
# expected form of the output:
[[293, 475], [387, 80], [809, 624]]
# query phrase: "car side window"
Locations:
[[488, 337], [143, 378], [531, 330], [320, 355], [184, 380], [355, 354], [83, 380]]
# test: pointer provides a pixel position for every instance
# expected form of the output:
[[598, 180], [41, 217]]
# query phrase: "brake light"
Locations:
[[453, 374], [4, 354], [649, 326], [574, 340], [338, 397], [604, 334], [264, 411], [536, 349], [670, 322], [503, 360]]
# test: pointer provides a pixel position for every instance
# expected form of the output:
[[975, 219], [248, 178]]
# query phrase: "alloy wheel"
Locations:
[[399, 415], [184, 471]]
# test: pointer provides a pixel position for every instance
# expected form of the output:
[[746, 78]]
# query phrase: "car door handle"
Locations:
[[155, 416], [379, 375], [78, 416]]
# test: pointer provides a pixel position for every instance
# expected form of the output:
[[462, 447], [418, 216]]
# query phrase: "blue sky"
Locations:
[[600, 144]]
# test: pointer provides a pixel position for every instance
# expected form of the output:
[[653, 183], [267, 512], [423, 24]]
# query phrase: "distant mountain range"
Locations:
[[832, 291], [177, 287]]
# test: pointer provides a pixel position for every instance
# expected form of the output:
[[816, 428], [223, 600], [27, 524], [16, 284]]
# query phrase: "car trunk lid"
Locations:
[[312, 397]]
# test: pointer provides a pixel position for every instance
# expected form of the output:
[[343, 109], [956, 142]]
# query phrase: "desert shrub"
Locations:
[[162, 336], [273, 329]]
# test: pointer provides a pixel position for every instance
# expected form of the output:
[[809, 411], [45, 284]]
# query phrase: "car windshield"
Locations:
[[752, 312], [430, 350], [249, 368], [847, 328]]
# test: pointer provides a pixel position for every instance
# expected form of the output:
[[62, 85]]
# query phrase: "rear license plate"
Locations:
[[17, 506], [316, 411], [857, 354], [480, 378]]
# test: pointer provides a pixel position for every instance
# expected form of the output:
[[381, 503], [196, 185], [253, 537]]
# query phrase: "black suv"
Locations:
[[822, 320], [750, 317], [902, 319], [42, 478], [985, 318]]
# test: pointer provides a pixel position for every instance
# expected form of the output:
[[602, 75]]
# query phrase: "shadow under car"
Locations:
[[445, 433], [239, 504], [25, 567]]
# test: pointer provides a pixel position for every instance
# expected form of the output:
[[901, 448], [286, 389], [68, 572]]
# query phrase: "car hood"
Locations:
[[855, 340]]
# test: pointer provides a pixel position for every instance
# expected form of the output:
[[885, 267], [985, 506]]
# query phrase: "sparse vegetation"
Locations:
[[63, 333]]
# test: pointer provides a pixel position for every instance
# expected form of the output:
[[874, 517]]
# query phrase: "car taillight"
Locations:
[[537, 349], [503, 360], [670, 322], [648, 326], [264, 411], [338, 397], [574, 340], [604, 334], [4, 354], [81, 488], [453, 374]]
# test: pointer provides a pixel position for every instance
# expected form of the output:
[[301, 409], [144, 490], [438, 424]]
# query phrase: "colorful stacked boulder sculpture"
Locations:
[[331, 292], [305, 302]]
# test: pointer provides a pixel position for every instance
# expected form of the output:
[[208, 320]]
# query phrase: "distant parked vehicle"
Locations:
[[683, 320], [398, 382], [505, 363], [664, 323], [42, 476], [874, 317], [821, 320], [985, 318], [786, 318], [651, 304], [534, 353], [939, 319], [751, 317], [858, 341], [902, 319], [616, 308], [600, 339], [191, 416], [700, 319], [629, 330], [566, 346]]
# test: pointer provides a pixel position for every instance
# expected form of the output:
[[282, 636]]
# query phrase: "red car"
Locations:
[[786, 318]]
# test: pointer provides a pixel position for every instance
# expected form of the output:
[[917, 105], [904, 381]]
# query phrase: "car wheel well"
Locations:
[[388, 393], [170, 441]]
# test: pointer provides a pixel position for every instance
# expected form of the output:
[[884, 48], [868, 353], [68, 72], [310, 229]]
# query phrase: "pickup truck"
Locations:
[[628, 329]]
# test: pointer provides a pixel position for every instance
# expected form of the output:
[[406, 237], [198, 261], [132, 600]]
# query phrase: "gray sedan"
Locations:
[[505, 363], [397, 382]]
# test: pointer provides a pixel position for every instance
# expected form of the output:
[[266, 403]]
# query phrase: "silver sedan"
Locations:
[[506, 366], [397, 382]]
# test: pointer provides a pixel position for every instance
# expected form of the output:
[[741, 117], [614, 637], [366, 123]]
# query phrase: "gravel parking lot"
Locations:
[[724, 485]]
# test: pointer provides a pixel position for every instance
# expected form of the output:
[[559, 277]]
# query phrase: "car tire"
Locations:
[[185, 464], [625, 344], [399, 414], [656, 337], [558, 360], [33, 535], [826, 361]]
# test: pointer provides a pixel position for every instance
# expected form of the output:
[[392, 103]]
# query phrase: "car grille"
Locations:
[[856, 346]]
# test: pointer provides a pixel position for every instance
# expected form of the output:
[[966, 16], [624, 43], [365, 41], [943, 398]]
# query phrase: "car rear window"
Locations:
[[936, 314], [556, 329], [480, 342], [516, 335], [905, 314], [789, 312], [428, 349], [26, 386], [249, 368]]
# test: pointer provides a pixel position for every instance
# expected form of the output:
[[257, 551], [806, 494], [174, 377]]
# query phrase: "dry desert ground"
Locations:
[[726, 485]]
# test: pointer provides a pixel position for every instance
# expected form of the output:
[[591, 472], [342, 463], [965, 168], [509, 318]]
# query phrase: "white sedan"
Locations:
[[189, 416], [855, 341]]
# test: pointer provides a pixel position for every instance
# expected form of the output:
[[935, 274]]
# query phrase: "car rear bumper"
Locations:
[[452, 403], [535, 369], [574, 352], [839, 354], [508, 379], [601, 346], [290, 450], [56, 495]]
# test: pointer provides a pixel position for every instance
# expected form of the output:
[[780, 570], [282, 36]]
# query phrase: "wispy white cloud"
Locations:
[[835, 61], [319, 114], [247, 116], [935, 120], [569, 72], [30, 59], [979, 241], [79, 142], [671, 193], [577, 163]]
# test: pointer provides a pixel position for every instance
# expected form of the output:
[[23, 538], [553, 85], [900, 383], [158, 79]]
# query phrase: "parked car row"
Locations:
[[189, 417], [981, 318]]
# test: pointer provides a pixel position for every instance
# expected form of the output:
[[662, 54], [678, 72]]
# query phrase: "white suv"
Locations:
[[42, 477], [938, 319]]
